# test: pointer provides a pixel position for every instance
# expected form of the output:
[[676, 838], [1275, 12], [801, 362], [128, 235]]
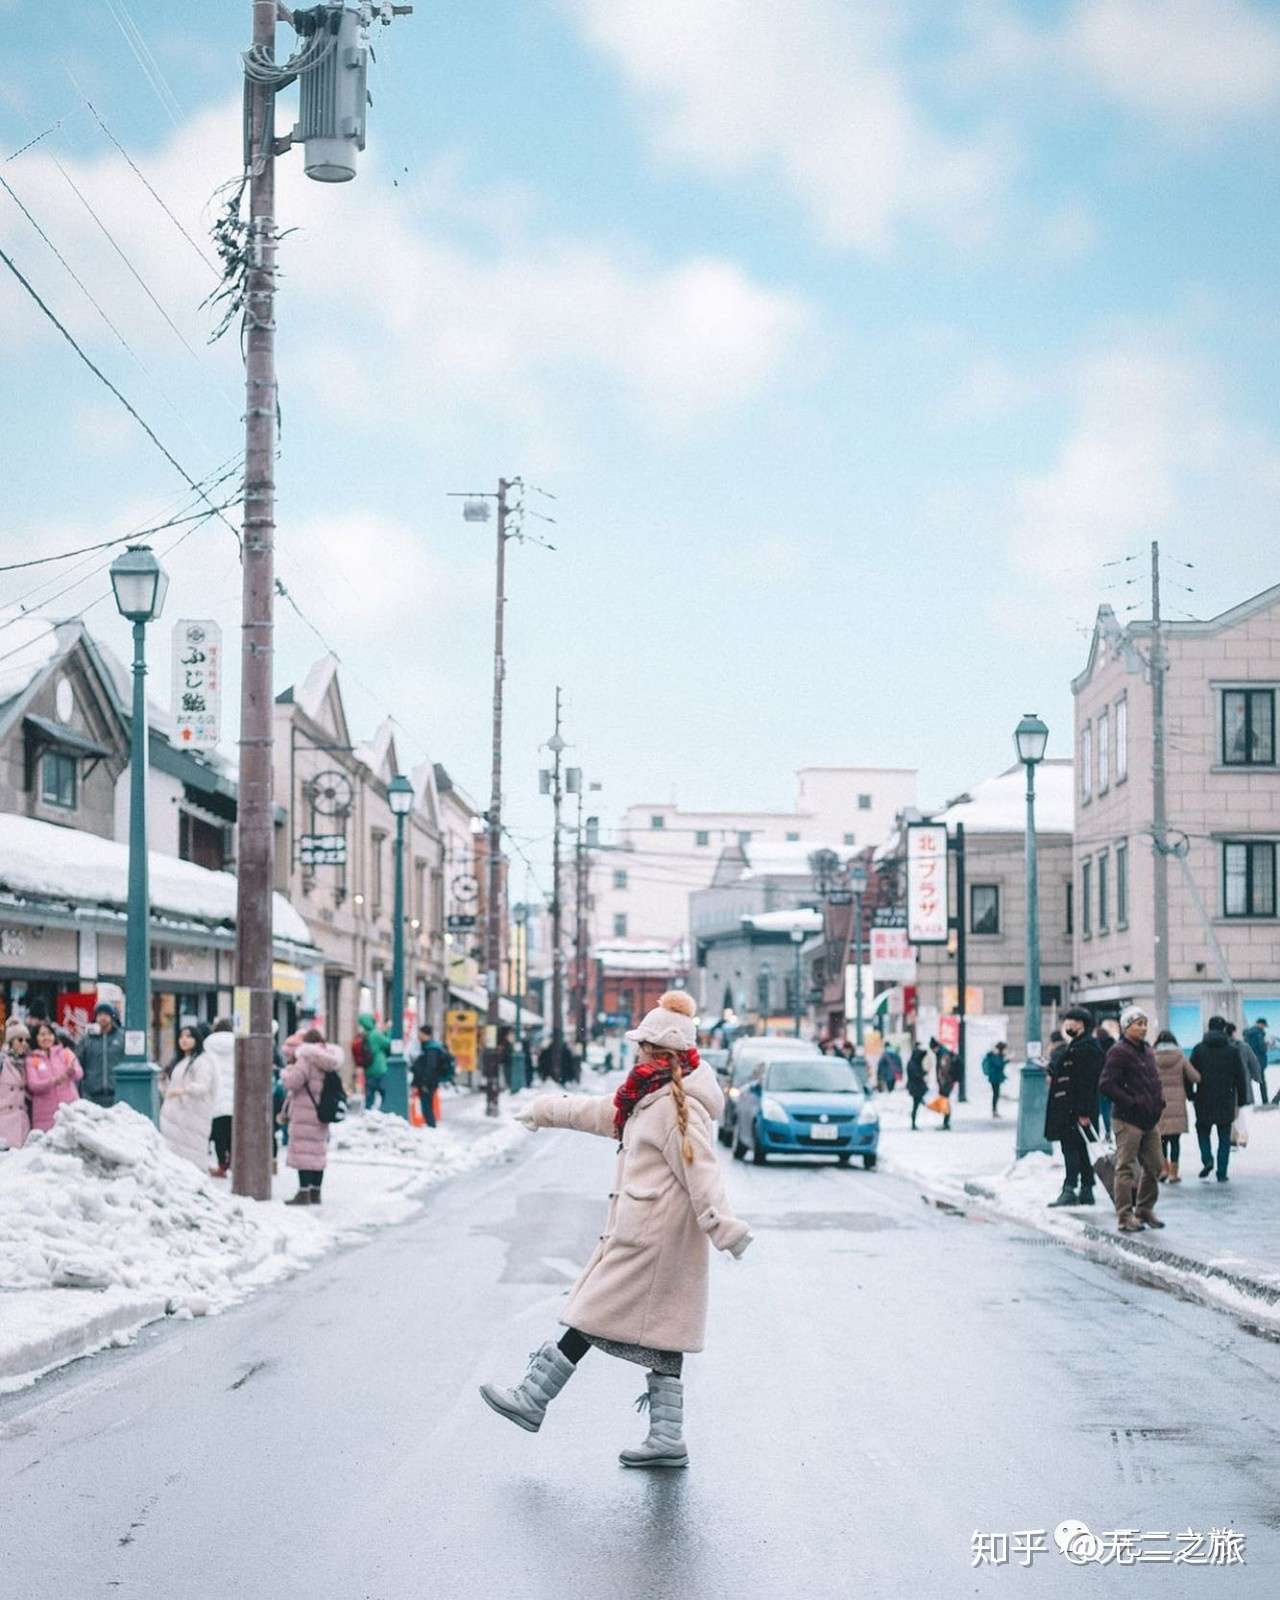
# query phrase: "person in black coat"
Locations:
[[1074, 1069], [1223, 1088], [430, 1068], [917, 1079]]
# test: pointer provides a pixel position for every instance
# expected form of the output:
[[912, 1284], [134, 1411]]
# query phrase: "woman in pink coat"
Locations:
[[643, 1294], [307, 1059], [52, 1075], [15, 1124]]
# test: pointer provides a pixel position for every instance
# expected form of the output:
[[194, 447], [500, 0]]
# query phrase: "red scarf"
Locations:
[[644, 1078]]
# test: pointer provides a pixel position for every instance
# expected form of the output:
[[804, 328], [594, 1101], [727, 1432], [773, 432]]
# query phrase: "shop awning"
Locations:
[[61, 737], [478, 1000]]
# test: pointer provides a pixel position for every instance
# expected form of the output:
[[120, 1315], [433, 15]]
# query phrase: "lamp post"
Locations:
[[1030, 738], [797, 939], [140, 584], [858, 884], [396, 1089]]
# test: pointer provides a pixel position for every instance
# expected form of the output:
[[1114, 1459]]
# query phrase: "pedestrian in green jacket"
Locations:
[[378, 1047]]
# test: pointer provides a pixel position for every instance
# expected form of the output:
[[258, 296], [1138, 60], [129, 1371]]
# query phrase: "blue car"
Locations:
[[806, 1106]]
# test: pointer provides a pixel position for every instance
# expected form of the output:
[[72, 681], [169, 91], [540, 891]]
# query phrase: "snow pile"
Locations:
[[374, 1139], [101, 1201]]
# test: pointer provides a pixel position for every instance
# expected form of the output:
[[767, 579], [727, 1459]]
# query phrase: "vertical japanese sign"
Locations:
[[927, 883], [197, 684]]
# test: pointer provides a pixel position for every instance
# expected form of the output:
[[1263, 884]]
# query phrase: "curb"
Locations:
[[22, 1365], [1202, 1281]]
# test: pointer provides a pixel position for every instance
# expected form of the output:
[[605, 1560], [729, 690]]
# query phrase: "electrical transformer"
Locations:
[[334, 91]]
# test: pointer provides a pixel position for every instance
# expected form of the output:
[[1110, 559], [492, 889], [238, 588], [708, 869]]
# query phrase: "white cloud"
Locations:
[[811, 92], [1183, 60], [408, 301]]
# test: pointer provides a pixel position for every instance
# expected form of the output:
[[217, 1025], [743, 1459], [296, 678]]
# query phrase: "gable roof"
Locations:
[[319, 698], [1122, 637]]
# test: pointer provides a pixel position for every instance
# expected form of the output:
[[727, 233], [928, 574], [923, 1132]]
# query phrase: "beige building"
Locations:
[[331, 788], [1223, 807]]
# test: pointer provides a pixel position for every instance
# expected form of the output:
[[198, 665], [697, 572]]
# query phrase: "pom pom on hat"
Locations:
[[670, 1025], [679, 1000]]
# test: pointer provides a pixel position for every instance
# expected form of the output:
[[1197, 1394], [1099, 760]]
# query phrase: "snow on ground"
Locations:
[[1219, 1242], [103, 1228]]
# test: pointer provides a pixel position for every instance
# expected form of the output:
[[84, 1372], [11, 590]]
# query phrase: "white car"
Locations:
[[747, 1058]]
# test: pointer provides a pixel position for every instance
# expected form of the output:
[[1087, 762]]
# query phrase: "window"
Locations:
[[744, 837], [1104, 752], [793, 838], [619, 924], [657, 823], [1249, 879], [702, 838], [375, 868], [984, 908], [849, 839], [864, 802], [1086, 762], [620, 878], [1104, 909], [1086, 899], [1071, 908], [1249, 727], [1122, 739], [1015, 995], [762, 993], [58, 779], [1122, 885]]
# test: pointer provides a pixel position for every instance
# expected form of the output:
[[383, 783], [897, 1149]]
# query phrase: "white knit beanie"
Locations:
[[670, 1025], [1132, 1014]]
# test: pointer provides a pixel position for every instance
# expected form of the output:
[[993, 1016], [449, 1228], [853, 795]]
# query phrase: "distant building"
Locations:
[[1223, 805]]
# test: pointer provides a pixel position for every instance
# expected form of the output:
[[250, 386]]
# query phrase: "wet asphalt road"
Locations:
[[881, 1380]]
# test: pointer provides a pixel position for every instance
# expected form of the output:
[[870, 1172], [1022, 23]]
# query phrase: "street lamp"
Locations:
[[1030, 738], [858, 884], [797, 939], [400, 798], [140, 584]]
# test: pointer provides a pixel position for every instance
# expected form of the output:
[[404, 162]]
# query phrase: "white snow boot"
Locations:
[[665, 1446], [526, 1405]]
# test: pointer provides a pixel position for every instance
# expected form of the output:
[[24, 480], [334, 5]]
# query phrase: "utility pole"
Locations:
[[494, 906], [251, 1153], [1159, 816], [579, 938], [962, 960], [556, 746]]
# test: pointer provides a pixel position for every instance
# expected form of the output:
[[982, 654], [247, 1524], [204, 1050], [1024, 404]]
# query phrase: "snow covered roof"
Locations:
[[40, 858], [29, 645], [768, 859], [619, 956], [803, 917], [309, 694], [999, 804]]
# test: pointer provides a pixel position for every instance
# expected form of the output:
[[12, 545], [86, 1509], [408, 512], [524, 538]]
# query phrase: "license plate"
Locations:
[[824, 1132]]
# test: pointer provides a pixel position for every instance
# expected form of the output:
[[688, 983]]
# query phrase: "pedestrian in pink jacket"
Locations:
[[643, 1294], [307, 1059], [52, 1075], [15, 1123]]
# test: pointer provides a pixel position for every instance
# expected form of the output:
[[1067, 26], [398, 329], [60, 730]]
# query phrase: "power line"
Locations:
[[108, 544], [146, 61], [102, 378]]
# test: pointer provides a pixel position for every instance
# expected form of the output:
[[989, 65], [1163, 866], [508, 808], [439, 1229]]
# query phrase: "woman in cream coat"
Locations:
[[643, 1294]]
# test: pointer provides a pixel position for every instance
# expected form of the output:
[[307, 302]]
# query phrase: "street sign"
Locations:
[[892, 957], [894, 916], [461, 1038], [616, 1019], [840, 897], [460, 922], [927, 910], [197, 684], [322, 850]]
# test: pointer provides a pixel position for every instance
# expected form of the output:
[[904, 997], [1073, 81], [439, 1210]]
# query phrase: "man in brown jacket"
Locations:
[[1131, 1081]]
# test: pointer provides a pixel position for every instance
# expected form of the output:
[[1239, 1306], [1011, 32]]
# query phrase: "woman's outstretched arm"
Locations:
[[587, 1113]]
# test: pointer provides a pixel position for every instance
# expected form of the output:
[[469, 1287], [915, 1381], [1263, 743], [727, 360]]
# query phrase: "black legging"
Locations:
[[573, 1346], [1172, 1143]]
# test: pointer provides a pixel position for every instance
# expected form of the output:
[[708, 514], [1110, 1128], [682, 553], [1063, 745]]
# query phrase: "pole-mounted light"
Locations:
[[1030, 738], [140, 584], [400, 795]]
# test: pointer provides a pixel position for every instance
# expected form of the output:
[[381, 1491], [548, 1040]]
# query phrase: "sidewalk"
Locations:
[[103, 1229], [1220, 1245]]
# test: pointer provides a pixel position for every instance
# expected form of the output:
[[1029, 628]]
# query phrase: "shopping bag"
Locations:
[[1240, 1130], [940, 1104], [416, 1117], [1105, 1164]]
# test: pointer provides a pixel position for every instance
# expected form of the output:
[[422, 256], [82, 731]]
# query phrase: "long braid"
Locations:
[[682, 1110]]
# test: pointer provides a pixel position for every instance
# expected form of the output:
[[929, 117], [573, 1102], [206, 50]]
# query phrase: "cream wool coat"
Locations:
[[646, 1283]]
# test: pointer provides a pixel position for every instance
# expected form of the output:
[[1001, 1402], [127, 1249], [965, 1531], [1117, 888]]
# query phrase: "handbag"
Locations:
[[940, 1104], [1240, 1130]]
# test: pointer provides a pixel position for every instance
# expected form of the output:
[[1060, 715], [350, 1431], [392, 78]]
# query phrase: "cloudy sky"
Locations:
[[859, 344]]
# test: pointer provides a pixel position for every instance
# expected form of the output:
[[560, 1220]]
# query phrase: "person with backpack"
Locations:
[[315, 1100], [993, 1070], [370, 1053], [429, 1066]]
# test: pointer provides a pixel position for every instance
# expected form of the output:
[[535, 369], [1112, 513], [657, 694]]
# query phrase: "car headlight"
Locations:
[[868, 1116], [734, 1093], [772, 1111]]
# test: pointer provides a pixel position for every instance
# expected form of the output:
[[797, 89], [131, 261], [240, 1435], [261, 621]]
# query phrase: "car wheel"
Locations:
[[844, 1160], [869, 1160], [758, 1155], [739, 1149]]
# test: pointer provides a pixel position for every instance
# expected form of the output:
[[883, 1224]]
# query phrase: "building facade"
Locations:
[[1222, 679]]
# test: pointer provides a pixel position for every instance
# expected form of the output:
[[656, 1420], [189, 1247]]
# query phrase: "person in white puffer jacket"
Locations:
[[643, 1294], [220, 1047]]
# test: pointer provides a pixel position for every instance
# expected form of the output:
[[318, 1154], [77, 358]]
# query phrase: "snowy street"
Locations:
[[901, 1377]]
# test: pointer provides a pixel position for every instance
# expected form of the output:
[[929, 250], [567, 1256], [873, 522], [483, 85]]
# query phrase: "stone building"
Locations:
[[1223, 809]]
